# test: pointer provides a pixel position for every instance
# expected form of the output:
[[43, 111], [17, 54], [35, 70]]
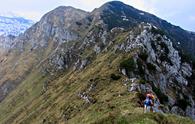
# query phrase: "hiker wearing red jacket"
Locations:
[[149, 102]]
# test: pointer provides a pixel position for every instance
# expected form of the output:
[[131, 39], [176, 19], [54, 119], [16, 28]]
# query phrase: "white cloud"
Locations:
[[146, 5], [179, 12], [29, 14], [34, 9], [192, 18]]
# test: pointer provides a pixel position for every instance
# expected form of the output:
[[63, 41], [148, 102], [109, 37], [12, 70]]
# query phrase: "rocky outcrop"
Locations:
[[117, 14], [6, 42], [162, 67], [55, 26]]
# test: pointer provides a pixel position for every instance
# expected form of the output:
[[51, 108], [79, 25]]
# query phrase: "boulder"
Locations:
[[177, 110]]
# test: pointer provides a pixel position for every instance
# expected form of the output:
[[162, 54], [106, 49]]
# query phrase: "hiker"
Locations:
[[150, 95], [148, 102], [157, 105]]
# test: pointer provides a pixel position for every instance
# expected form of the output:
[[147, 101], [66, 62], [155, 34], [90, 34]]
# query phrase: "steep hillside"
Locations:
[[91, 93], [38, 43], [79, 67]]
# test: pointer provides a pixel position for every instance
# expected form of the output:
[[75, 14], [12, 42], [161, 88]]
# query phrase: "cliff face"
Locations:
[[160, 70], [71, 63]]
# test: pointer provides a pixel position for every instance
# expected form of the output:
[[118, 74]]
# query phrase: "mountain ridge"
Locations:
[[71, 67]]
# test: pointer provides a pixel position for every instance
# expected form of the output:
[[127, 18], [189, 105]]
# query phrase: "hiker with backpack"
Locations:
[[156, 107], [148, 102]]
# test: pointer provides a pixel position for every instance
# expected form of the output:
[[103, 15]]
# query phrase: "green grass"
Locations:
[[128, 64], [60, 104], [149, 118], [27, 91]]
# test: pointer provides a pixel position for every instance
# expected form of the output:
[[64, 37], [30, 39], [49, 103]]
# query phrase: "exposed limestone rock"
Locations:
[[133, 80], [145, 88], [6, 42], [124, 72], [84, 97], [134, 87], [186, 69], [177, 110], [97, 49], [116, 30], [83, 63], [190, 111], [169, 69], [76, 64], [126, 81], [103, 37]]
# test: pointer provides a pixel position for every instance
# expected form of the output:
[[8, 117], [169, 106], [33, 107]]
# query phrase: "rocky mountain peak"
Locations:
[[87, 60], [112, 4], [117, 14], [55, 26], [65, 15]]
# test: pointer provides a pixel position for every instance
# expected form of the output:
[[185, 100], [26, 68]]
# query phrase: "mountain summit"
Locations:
[[96, 67], [118, 14]]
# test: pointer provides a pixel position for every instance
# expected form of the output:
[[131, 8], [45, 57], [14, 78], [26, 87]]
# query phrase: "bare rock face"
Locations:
[[55, 26], [177, 110], [6, 42], [42, 43], [134, 87], [190, 111], [167, 64], [83, 63], [97, 49], [162, 66]]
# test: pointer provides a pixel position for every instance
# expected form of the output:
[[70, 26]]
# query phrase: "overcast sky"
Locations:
[[178, 12]]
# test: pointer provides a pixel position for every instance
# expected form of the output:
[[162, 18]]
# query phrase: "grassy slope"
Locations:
[[114, 104], [61, 103]]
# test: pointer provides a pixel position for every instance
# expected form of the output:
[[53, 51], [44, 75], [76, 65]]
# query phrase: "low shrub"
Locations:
[[141, 71], [128, 64], [143, 56], [164, 46], [122, 120], [183, 103], [142, 81], [151, 67], [185, 57], [158, 38], [115, 77]]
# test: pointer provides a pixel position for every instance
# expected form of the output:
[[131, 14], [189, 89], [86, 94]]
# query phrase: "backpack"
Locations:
[[147, 102], [151, 96]]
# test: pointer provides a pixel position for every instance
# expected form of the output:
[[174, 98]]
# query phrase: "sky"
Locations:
[[178, 12]]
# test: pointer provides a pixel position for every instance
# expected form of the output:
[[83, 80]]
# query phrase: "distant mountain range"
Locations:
[[13, 25]]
